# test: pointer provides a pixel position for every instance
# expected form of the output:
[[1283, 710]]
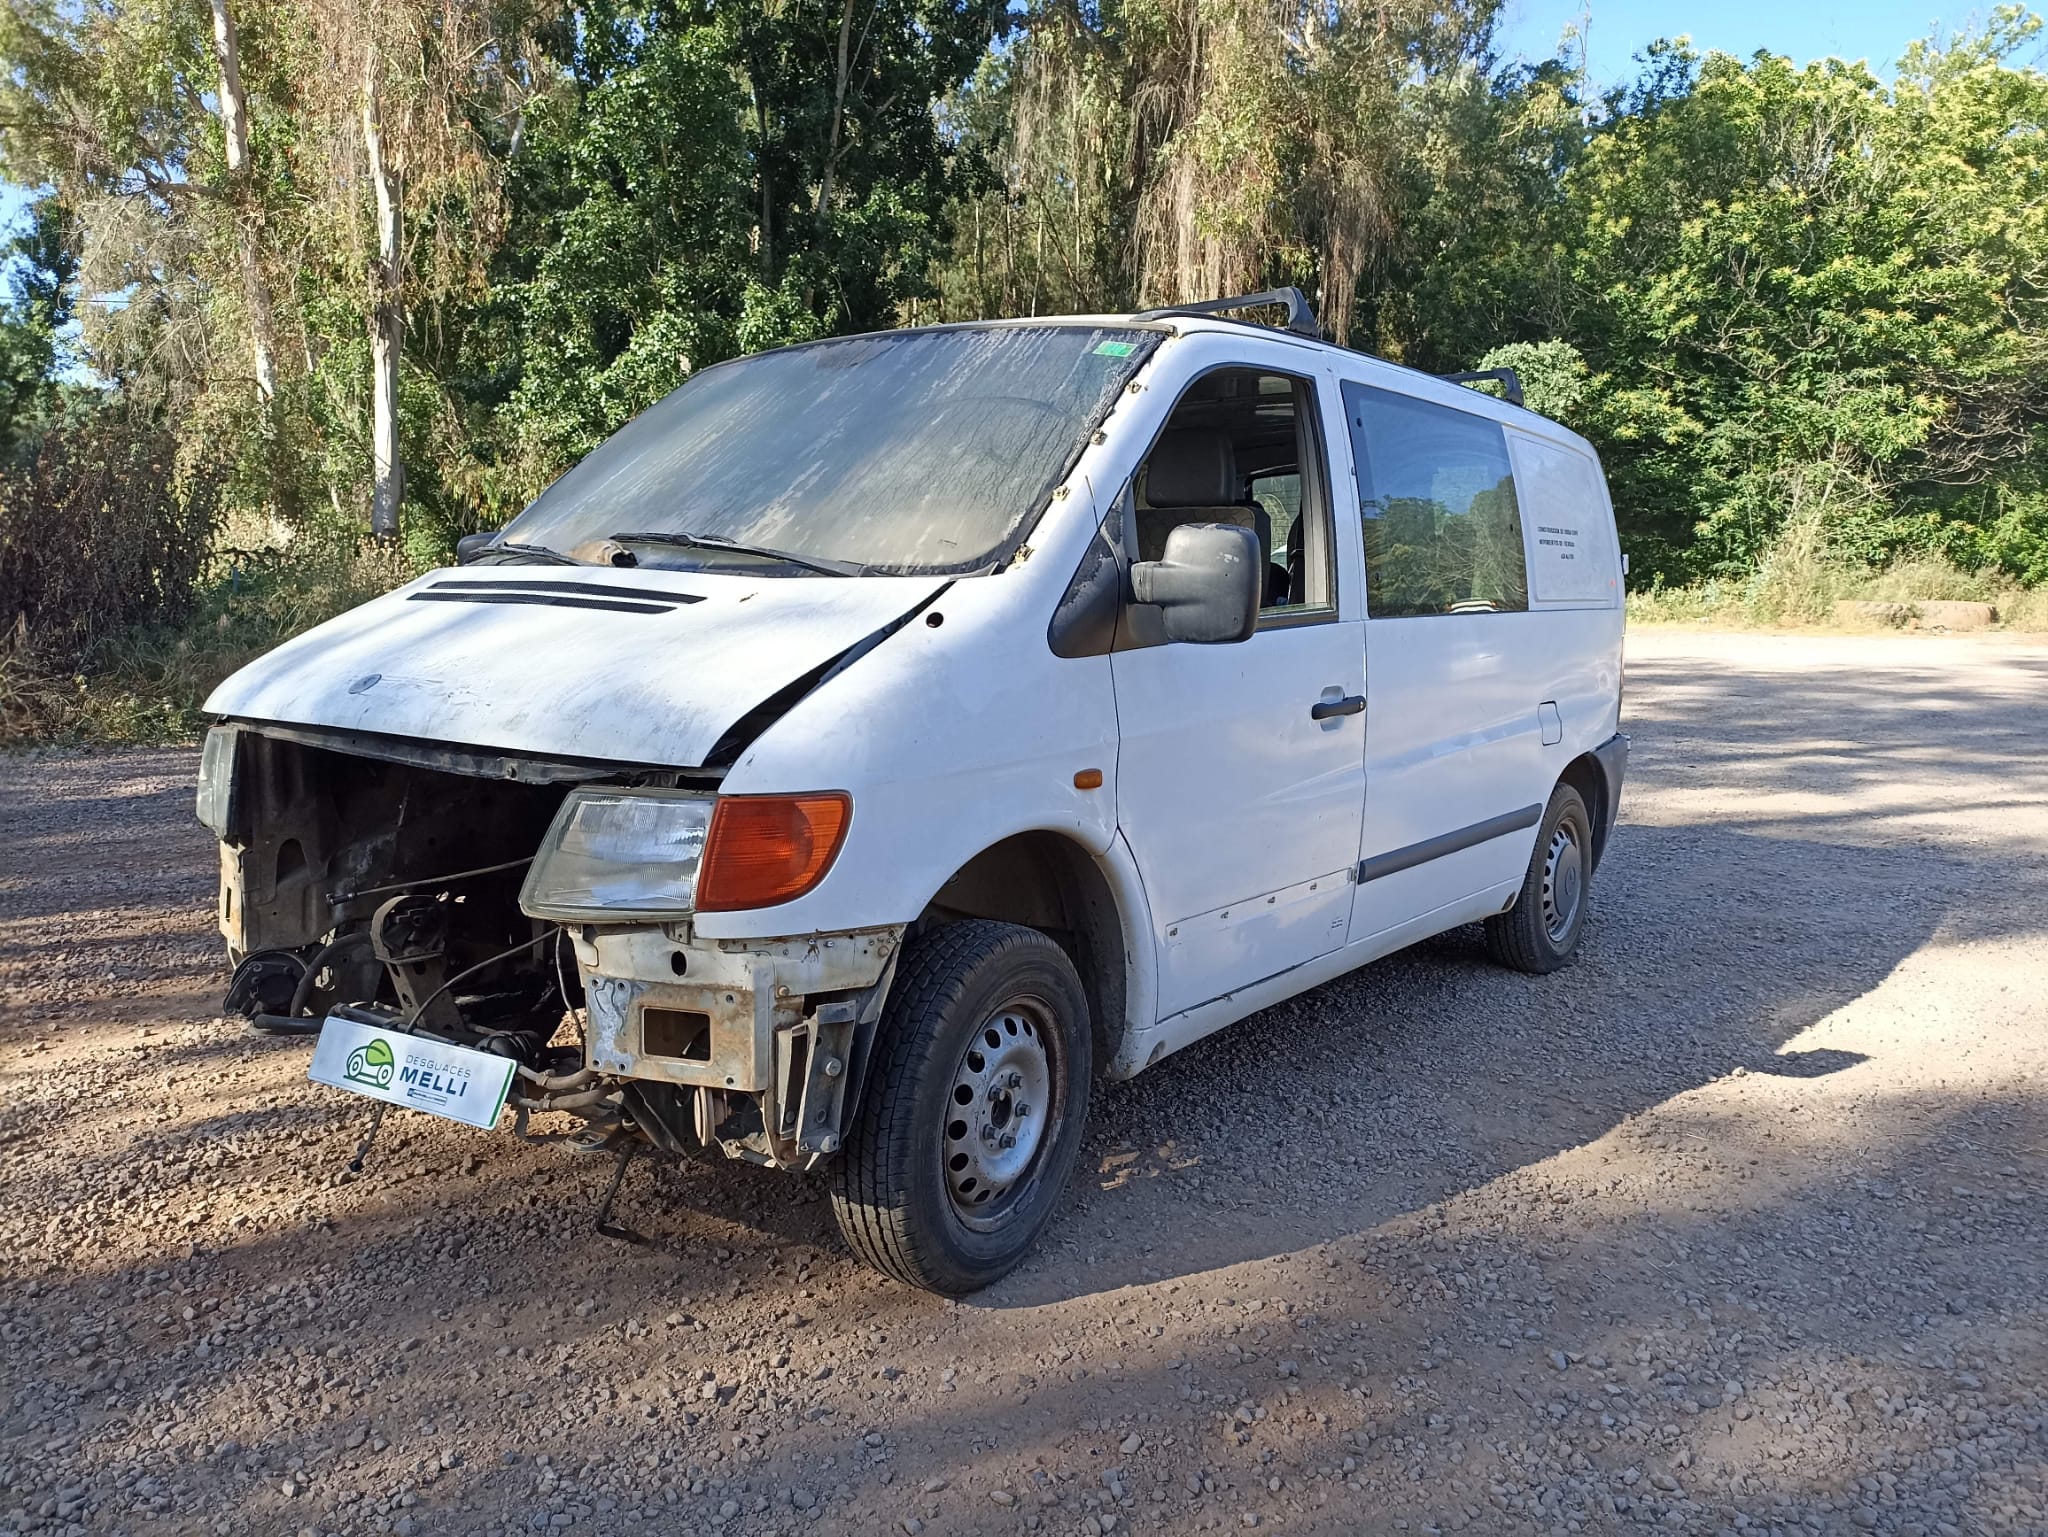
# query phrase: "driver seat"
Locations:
[[1191, 477]]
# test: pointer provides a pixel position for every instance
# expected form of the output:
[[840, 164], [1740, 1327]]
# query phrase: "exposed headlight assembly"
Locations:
[[216, 805], [621, 855]]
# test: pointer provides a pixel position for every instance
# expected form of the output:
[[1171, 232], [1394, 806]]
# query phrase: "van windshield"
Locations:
[[904, 451]]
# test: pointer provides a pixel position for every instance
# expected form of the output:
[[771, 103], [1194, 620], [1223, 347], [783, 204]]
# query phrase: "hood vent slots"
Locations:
[[597, 595]]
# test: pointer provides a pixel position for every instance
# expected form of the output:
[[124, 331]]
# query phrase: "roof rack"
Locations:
[[1509, 381], [1300, 318]]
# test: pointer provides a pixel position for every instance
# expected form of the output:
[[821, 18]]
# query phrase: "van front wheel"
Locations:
[[1541, 931], [971, 1119]]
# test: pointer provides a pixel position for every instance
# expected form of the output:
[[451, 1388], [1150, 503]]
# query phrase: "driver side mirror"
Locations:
[[1207, 587]]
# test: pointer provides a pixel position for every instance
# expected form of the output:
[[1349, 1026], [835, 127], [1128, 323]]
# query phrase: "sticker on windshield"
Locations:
[[1115, 349]]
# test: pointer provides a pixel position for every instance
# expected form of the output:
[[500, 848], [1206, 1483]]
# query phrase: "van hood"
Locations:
[[641, 666]]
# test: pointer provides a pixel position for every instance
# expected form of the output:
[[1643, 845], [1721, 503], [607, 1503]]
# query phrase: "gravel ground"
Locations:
[[1737, 1224]]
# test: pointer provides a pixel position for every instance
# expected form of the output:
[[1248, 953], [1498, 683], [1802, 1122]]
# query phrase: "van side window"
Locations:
[[1443, 531], [1241, 448]]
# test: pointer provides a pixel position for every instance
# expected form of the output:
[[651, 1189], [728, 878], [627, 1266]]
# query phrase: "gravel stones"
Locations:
[[1738, 1224]]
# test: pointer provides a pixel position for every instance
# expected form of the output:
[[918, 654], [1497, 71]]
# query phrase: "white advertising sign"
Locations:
[[1563, 504], [452, 1081]]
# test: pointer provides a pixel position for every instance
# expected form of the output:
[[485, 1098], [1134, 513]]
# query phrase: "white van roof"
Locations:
[[1212, 318]]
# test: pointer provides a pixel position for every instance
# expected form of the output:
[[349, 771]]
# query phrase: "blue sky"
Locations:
[[1873, 30]]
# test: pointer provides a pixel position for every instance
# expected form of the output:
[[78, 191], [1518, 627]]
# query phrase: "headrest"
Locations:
[[1191, 468]]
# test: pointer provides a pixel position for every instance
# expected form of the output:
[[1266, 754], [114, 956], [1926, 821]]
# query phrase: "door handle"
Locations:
[[1351, 704]]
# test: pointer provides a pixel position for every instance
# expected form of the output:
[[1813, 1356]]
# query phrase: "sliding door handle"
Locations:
[[1351, 704]]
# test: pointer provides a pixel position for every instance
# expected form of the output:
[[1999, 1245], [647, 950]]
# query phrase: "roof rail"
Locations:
[[1300, 318], [1509, 381]]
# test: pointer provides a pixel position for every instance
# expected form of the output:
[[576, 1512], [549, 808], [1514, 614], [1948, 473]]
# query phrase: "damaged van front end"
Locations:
[[341, 893], [478, 887], [669, 805]]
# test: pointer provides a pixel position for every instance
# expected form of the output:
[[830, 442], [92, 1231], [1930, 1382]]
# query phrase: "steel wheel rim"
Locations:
[[999, 1112], [1564, 882]]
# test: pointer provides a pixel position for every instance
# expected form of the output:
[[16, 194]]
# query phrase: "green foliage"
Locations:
[[1553, 374], [38, 309], [1801, 311], [1750, 283], [1796, 278]]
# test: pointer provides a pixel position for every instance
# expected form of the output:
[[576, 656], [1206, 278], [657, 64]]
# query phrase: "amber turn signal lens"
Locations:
[[764, 849], [1088, 779]]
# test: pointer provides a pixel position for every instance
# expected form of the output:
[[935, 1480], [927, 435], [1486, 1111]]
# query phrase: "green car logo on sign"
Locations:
[[371, 1063]]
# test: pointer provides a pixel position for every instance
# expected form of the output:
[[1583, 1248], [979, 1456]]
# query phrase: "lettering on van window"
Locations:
[[1569, 548]]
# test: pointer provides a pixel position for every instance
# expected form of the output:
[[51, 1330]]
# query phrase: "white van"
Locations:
[[881, 741]]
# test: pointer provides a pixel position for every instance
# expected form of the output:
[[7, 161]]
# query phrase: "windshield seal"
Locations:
[[911, 456]]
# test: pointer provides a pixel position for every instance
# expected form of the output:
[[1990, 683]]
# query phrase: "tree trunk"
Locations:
[[839, 82], [386, 319], [767, 190], [234, 122]]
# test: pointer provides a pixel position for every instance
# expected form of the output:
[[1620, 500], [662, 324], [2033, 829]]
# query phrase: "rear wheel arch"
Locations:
[[1586, 775]]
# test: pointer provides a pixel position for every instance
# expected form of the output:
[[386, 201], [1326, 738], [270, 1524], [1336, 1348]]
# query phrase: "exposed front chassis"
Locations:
[[754, 1047]]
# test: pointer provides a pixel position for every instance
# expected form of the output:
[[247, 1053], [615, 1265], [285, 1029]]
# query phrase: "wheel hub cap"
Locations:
[[997, 1112], [1564, 880]]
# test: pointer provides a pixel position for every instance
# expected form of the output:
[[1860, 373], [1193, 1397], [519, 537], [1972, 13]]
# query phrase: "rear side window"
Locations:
[[1436, 490], [1571, 552]]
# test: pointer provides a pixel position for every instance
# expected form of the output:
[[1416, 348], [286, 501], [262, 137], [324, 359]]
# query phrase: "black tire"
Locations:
[[898, 1190], [1541, 931]]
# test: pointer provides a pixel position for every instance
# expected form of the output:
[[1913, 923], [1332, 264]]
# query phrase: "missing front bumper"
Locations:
[[757, 1047]]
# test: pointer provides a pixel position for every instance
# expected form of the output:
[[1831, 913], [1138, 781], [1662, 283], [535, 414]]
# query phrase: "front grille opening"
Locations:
[[680, 1033]]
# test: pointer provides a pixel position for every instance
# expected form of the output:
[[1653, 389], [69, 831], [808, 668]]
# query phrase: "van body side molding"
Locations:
[[1422, 853]]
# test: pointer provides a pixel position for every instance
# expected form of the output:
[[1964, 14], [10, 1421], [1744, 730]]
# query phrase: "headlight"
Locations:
[[216, 806], [613, 854]]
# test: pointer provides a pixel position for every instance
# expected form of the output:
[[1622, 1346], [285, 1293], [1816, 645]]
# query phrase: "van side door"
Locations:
[[1240, 767], [1455, 673]]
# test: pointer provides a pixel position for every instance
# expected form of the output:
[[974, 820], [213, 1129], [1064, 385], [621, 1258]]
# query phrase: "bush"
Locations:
[[99, 534], [147, 684], [1799, 576], [1800, 580]]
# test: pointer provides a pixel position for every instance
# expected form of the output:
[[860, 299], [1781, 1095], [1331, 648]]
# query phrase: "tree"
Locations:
[[416, 192], [40, 277], [1787, 277], [234, 118], [659, 224], [1221, 146]]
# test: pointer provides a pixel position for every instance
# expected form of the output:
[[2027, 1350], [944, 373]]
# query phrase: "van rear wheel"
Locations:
[[1541, 931], [970, 1122]]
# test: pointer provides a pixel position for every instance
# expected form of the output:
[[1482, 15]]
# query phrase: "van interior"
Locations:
[[1233, 452]]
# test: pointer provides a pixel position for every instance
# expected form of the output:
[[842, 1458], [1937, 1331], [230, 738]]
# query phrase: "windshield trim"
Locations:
[[1150, 334]]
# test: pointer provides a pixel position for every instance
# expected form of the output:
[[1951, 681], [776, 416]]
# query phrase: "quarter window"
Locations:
[[1443, 532]]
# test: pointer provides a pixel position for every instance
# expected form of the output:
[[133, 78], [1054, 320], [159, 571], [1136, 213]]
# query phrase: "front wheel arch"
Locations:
[[1048, 881]]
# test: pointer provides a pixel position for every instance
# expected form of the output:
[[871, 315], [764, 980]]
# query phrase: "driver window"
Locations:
[[1241, 448]]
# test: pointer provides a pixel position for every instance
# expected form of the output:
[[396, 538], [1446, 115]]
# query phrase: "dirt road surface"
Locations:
[[1737, 1224]]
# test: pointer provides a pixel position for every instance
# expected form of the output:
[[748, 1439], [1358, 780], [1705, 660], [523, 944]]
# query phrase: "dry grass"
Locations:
[[146, 685], [1799, 583]]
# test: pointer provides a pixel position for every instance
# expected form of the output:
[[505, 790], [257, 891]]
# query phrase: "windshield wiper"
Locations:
[[539, 552], [720, 542]]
